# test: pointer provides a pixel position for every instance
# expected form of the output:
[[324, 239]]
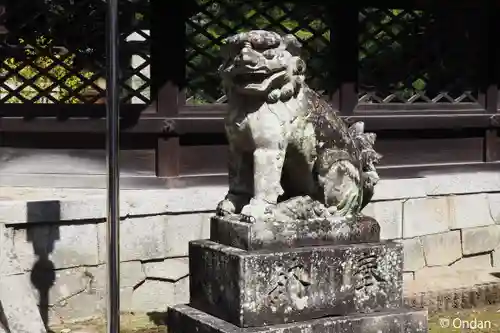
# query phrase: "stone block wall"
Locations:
[[60, 245], [446, 221]]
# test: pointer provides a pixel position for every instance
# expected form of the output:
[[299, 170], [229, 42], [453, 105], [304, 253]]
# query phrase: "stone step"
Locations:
[[186, 319], [258, 288]]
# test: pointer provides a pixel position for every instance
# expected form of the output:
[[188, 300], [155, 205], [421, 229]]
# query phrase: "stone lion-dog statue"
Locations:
[[285, 141]]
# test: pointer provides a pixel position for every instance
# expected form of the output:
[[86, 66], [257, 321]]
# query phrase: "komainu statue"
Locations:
[[289, 250], [289, 149]]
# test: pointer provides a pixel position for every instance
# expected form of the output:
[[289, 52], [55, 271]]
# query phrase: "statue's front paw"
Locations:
[[225, 207], [257, 209]]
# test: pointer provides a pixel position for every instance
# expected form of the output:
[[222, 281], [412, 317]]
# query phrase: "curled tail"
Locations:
[[347, 185]]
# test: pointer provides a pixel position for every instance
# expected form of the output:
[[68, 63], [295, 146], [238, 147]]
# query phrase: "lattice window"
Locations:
[[412, 56], [216, 20], [54, 52]]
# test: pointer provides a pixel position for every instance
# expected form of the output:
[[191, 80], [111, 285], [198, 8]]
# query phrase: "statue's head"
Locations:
[[262, 63]]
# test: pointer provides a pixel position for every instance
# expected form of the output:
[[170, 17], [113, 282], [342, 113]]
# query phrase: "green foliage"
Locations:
[[43, 72]]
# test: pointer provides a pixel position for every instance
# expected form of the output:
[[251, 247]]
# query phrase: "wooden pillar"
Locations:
[[491, 73], [168, 74], [344, 25]]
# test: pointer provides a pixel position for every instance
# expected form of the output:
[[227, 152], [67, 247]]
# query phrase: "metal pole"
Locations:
[[113, 185]]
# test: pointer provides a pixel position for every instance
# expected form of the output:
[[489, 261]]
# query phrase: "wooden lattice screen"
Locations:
[[414, 56], [394, 68], [404, 56], [54, 52], [216, 20]]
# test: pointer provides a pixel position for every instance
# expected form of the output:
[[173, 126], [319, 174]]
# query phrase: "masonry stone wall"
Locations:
[[60, 245], [444, 221]]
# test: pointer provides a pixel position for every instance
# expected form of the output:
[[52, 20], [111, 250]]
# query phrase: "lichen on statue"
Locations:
[[287, 146]]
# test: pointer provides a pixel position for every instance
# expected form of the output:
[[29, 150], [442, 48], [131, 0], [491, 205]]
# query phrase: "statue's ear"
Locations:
[[292, 45]]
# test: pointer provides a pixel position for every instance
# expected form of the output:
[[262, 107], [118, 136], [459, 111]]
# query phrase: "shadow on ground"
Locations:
[[158, 318]]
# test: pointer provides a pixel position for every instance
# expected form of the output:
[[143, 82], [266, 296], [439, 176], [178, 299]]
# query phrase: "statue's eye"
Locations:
[[269, 54]]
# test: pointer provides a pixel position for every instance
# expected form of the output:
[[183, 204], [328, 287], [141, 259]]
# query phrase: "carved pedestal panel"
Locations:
[[260, 288], [186, 319]]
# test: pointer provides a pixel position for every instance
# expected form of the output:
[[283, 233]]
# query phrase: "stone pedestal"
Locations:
[[315, 276], [184, 318]]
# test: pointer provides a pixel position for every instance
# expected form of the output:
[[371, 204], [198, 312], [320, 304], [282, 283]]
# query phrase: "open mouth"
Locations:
[[258, 81], [249, 78]]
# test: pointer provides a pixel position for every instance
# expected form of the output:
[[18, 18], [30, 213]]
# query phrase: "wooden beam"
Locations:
[[214, 123]]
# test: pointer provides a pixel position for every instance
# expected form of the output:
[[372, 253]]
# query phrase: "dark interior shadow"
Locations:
[[43, 237], [158, 318], [496, 274]]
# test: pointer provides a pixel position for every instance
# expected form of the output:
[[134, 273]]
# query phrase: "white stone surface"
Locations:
[[181, 291], [482, 261], [82, 306], [140, 238], [389, 214], [14, 212], [446, 278], [75, 294], [130, 277], [42, 193], [181, 229], [425, 216], [469, 211], [69, 283], [442, 249], [9, 261], [19, 305], [408, 276], [186, 200], [172, 269], [132, 202], [156, 237], [131, 274], [394, 189], [461, 183], [75, 245], [126, 294], [65, 246], [494, 206], [153, 295], [205, 198], [413, 251], [434, 272], [479, 240]]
